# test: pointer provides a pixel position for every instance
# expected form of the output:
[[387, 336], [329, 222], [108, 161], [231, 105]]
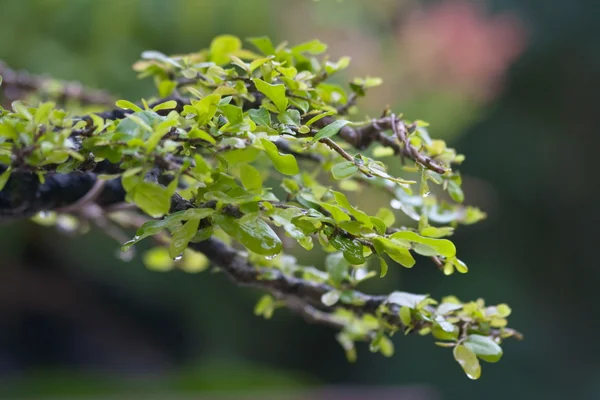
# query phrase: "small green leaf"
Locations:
[[387, 216], [222, 47], [396, 252], [337, 267], [265, 306], [330, 298], [275, 93], [343, 170], [313, 47], [206, 108], [4, 177], [233, 114], [158, 56], [263, 44], [250, 177], [260, 117], [167, 105], [196, 133], [290, 117], [152, 198], [383, 267], [405, 299], [284, 163], [127, 105], [158, 259], [484, 347], [330, 130], [318, 117], [166, 87], [254, 233], [502, 309], [352, 249], [182, 236], [442, 246], [405, 316], [468, 361]]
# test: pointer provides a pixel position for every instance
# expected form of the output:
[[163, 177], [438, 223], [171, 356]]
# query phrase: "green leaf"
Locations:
[[468, 361], [233, 114], [158, 56], [434, 232], [193, 261], [318, 117], [484, 347], [166, 87], [263, 44], [222, 47], [260, 117], [502, 309], [343, 170], [330, 298], [290, 117], [196, 133], [43, 112], [383, 267], [286, 163], [352, 249], [206, 108], [330, 130], [4, 177], [152, 198], [360, 216], [441, 246], [396, 252], [337, 267], [250, 177], [387, 216], [405, 299], [254, 233], [127, 105], [265, 306], [158, 259], [182, 236], [275, 93], [405, 316], [167, 105], [313, 47]]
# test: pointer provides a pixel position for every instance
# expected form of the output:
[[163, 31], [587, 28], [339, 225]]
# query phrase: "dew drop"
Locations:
[[271, 257], [125, 255], [179, 257], [426, 194], [395, 204]]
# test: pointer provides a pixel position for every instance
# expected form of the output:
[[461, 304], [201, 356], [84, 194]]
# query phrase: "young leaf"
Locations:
[[484, 347], [275, 93], [284, 163], [330, 130], [182, 236], [343, 170], [250, 177], [254, 233], [223, 46], [468, 361]]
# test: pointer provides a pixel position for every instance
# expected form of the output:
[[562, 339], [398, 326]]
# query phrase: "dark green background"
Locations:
[[76, 320]]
